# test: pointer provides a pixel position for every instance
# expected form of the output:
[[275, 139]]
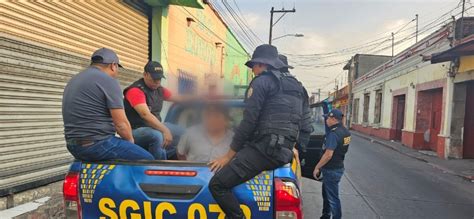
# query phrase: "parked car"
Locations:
[[179, 189]]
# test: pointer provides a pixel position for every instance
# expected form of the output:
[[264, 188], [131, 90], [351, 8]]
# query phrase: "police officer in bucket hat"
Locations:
[[275, 105]]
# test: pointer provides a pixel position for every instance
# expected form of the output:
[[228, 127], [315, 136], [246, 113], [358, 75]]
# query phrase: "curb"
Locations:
[[436, 166]]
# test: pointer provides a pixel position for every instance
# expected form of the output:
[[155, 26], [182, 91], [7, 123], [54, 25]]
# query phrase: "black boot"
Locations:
[[325, 216]]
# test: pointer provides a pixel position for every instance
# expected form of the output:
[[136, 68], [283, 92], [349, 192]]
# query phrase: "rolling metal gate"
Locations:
[[37, 58]]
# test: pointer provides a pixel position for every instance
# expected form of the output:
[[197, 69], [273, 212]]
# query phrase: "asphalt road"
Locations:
[[382, 183]]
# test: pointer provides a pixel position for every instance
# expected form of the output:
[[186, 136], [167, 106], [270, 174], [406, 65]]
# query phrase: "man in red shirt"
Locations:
[[143, 104]]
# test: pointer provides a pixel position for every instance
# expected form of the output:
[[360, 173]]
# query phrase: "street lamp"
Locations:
[[293, 35]]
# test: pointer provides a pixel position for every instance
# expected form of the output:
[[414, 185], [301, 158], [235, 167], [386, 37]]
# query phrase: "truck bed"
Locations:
[[165, 189]]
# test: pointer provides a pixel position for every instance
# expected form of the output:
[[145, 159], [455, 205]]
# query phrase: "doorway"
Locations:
[[468, 137], [399, 116], [428, 118], [435, 127]]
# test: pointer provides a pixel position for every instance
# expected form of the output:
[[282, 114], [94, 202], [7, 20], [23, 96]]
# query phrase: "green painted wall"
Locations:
[[235, 71]]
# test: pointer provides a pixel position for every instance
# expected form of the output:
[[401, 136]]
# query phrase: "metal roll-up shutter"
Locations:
[[42, 45], [81, 27]]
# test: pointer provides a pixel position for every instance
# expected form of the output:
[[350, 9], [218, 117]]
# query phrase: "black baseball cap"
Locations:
[[105, 56], [155, 69], [335, 113]]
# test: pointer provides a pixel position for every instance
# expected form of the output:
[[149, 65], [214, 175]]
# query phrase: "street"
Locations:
[[382, 183]]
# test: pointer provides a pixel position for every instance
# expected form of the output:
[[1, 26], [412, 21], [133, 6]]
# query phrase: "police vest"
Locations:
[[343, 141], [154, 101], [283, 110]]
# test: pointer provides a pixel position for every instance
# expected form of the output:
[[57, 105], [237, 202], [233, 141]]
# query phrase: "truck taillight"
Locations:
[[184, 173], [72, 203], [287, 200]]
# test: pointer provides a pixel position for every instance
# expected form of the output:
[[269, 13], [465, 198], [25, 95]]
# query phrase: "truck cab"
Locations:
[[179, 189]]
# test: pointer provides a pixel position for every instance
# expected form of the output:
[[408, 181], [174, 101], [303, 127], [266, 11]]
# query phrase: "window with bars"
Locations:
[[378, 106], [365, 116]]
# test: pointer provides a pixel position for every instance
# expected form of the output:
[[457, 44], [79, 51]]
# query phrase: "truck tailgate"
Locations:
[[164, 190]]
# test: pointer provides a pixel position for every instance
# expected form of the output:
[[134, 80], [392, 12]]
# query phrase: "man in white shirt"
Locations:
[[209, 140]]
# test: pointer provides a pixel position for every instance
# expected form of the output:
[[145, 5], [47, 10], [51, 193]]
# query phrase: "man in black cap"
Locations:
[[143, 103], [265, 138], [93, 112], [331, 164]]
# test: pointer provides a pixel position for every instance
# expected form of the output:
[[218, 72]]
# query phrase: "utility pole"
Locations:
[[416, 18], [273, 24], [319, 95], [349, 81], [393, 43], [462, 19]]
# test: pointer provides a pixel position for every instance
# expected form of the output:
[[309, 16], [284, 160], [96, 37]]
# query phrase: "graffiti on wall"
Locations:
[[197, 46]]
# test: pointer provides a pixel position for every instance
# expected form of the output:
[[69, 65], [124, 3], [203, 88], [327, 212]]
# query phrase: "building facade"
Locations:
[[408, 99], [359, 65], [197, 49], [403, 98], [340, 100], [461, 120], [44, 43]]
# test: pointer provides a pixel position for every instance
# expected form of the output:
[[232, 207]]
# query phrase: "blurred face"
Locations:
[[258, 68], [150, 82], [331, 121], [215, 121]]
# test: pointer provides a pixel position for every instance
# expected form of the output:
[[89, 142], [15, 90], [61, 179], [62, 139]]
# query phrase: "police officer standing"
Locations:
[[272, 122], [303, 138], [331, 164]]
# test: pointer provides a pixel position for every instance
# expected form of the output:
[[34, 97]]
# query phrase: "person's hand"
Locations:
[[296, 153], [167, 137], [217, 164], [316, 173]]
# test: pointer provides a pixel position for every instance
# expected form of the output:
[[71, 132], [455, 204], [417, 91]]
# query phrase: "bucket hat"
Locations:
[[285, 61], [266, 54]]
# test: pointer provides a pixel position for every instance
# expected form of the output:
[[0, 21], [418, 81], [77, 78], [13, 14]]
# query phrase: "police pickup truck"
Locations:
[[179, 189]]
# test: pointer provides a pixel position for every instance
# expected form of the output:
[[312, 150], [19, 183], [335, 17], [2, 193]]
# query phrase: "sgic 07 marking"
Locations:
[[109, 209]]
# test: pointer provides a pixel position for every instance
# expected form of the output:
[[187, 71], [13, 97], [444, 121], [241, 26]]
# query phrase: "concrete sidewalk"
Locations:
[[459, 167]]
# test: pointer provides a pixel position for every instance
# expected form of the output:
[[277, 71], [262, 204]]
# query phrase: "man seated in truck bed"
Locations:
[[210, 139]]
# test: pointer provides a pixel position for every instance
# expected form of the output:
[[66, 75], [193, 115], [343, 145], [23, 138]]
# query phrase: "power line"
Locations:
[[239, 24], [232, 17], [429, 26], [245, 21], [225, 16], [353, 48], [370, 43]]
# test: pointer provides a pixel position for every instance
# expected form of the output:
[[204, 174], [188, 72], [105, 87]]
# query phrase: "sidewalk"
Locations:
[[463, 167]]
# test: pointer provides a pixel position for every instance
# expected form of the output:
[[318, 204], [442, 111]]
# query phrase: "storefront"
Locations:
[[43, 44], [341, 100], [460, 143], [199, 52]]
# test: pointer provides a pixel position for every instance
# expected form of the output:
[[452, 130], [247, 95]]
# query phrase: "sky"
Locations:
[[329, 26]]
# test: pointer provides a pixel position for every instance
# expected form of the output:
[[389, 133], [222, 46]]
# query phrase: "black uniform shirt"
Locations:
[[260, 88]]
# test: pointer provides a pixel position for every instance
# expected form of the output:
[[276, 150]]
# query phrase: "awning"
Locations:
[[463, 49]]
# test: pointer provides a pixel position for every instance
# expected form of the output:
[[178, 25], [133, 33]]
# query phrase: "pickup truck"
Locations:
[[179, 189]]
